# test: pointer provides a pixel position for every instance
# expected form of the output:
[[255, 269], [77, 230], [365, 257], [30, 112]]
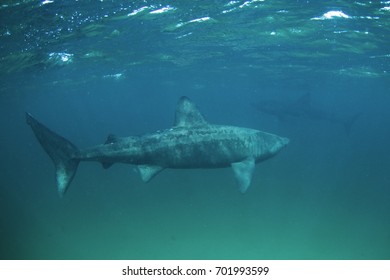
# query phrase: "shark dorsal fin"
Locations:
[[300, 107], [111, 139], [187, 114]]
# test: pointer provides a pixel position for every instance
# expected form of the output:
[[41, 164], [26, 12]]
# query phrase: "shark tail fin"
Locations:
[[350, 122], [63, 153]]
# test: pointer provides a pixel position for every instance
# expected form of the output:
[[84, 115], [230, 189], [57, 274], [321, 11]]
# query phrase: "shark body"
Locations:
[[302, 108], [190, 143]]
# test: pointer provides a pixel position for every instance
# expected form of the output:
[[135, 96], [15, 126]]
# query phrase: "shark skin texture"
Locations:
[[192, 142]]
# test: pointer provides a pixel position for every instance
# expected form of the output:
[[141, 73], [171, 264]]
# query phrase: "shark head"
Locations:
[[268, 145], [283, 141], [277, 144]]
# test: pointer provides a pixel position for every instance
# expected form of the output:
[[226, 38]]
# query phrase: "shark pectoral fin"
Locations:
[[147, 172], [243, 172]]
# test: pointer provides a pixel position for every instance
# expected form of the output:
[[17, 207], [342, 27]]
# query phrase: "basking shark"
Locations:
[[302, 108], [191, 143]]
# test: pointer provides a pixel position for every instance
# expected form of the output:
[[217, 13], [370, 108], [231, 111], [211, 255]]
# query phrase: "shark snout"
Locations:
[[284, 141], [280, 144]]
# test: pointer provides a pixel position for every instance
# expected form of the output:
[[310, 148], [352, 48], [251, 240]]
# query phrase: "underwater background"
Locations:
[[90, 68]]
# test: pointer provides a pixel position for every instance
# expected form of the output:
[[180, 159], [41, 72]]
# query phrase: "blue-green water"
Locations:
[[90, 68]]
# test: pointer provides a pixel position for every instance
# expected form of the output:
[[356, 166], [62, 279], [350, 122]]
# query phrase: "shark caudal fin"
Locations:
[[63, 153]]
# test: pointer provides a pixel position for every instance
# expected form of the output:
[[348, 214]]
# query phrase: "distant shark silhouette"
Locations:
[[190, 143], [302, 108]]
